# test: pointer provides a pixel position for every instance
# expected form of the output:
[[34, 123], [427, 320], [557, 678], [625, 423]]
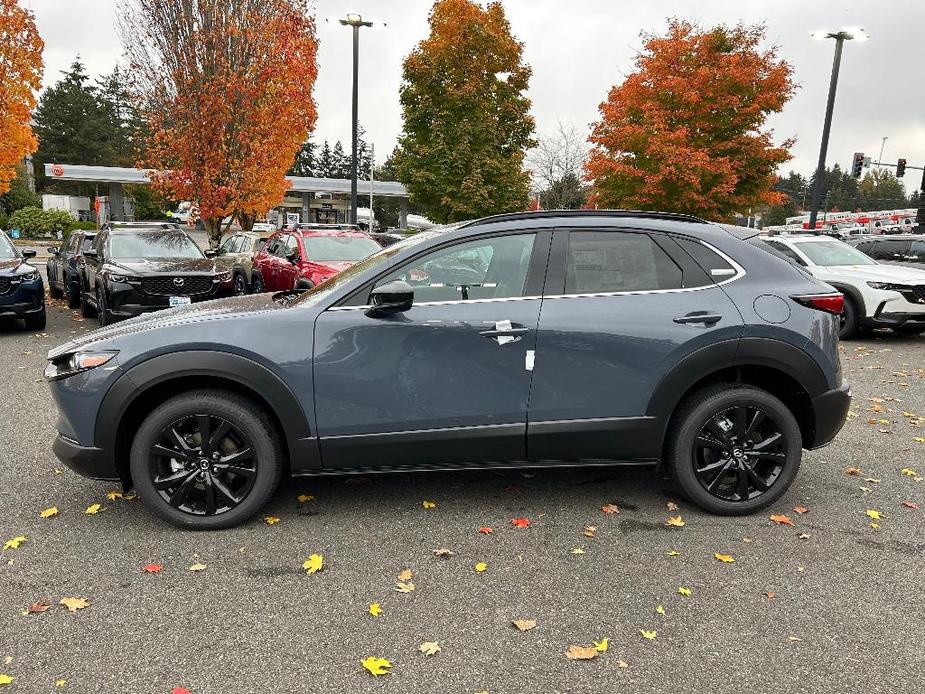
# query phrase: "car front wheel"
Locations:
[[240, 285], [206, 460], [733, 449]]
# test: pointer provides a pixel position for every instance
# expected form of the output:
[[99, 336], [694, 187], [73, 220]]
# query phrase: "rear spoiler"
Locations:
[[741, 233]]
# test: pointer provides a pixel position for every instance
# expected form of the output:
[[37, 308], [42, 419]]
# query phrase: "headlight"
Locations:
[[888, 286], [76, 362], [123, 278], [28, 277], [223, 276]]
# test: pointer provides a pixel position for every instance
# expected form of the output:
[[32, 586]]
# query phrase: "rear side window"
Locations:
[[787, 252], [611, 261], [917, 252], [717, 267], [865, 246], [889, 250]]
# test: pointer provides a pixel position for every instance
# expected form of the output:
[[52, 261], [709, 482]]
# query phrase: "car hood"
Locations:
[[219, 309], [8, 266], [335, 266], [177, 266], [876, 273]]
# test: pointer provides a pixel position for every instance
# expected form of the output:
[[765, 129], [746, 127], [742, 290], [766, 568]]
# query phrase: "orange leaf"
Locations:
[[781, 519], [151, 568], [520, 523]]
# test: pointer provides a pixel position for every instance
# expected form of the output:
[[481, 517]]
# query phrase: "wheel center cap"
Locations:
[[737, 453], [203, 464]]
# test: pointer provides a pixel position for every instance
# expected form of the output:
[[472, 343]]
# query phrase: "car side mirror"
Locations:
[[53, 250], [28, 253], [210, 252], [90, 253], [293, 257], [392, 297]]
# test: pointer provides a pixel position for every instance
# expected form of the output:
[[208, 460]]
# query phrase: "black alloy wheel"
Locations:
[[240, 285], [203, 464], [739, 453], [257, 284], [102, 313]]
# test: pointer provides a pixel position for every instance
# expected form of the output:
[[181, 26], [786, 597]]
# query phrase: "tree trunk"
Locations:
[[214, 229], [247, 221]]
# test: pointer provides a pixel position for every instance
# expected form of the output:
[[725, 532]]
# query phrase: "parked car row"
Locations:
[[22, 292]]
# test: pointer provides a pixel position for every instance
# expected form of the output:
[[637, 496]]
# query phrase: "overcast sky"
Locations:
[[579, 48]]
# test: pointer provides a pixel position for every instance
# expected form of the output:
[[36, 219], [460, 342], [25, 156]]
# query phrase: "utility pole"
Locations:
[[372, 166], [355, 21]]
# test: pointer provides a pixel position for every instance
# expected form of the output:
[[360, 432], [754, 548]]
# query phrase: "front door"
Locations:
[[446, 382], [620, 309]]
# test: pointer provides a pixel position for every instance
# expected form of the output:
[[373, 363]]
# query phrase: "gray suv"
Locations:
[[522, 340]]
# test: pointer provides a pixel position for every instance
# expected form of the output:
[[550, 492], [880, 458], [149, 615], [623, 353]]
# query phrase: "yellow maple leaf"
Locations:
[[919, 439], [271, 520], [875, 526], [6, 679], [659, 609], [686, 592], [49, 512], [725, 558], [375, 609], [909, 472], [430, 648], [647, 634], [481, 566], [676, 521], [198, 567], [376, 666], [601, 646], [15, 542], [93, 509], [60, 683], [302, 498], [428, 504], [74, 604], [113, 495], [876, 515], [314, 563], [672, 553], [404, 586], [577, 550]]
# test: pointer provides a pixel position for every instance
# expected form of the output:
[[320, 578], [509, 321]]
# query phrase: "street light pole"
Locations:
[[840, 38], [355, 21]]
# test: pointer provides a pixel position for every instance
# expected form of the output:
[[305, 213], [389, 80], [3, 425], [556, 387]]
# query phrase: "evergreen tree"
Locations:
[[324, 165], [304, 163], [340, 162]]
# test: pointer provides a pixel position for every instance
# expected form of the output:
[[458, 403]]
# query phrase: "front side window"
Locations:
[[917, 252], [601, 262], [492, 268], [228, 244], [833, 254], [787, 252], [7, 251], [890, 250], [338, 249], [292, 247], [152, 244]]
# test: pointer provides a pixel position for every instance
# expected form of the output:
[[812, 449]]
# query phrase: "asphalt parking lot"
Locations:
[[829, 604]]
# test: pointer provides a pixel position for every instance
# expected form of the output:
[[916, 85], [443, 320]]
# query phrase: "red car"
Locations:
[[305, 256]]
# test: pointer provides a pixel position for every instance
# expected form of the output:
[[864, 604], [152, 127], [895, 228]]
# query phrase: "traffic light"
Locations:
[[857, 164], [900, 168]]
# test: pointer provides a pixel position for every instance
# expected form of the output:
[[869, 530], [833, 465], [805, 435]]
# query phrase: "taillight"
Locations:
[[830, 303]]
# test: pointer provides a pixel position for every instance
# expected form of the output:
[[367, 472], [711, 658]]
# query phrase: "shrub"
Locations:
[[32, 222]]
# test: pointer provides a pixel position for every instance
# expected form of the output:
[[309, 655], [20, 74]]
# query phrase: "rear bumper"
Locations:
[[84, 460], [831, 411]]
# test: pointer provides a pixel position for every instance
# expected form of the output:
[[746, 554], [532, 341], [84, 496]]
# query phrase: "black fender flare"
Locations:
[[138, 379]]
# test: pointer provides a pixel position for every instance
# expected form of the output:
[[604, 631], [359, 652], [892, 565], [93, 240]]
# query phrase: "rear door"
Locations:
[[891, 251], [620, 309]]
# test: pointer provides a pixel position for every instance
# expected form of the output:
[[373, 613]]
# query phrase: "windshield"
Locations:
[[322, 249], [319, 292], [153, 244], [833, 253], [7, 252]]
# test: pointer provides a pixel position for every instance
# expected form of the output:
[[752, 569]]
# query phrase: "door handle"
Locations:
[[503, 333], [699, 317]]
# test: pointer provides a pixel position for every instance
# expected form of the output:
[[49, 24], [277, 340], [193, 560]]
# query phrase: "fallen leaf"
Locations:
[[872, 480], [875, 526], [429, 648], [601, 646], [672, 507], [590, 530], [520, 523], [60, 683], [429, 504], [909, 472], [803, 536], [610, 509], [771, 595], [485, 530], [856, 471], [800, 509], [673, 553], [725, 558], [180, 690], [676, 521], [404, 586], [919, 439], [405, 575], [198, 567], [581, 652], [481, 566], [271, 520], [302, 498], [876, 515], [577, 550], [375, 609], [622, 664], [659, 609], [910, 504], [650, 635], [686, 592], [49, 512], [794, 638], [93, 509], [15, 542], [780, 520], [314, 563], [376, 666], [524, 624], [747, 540], [113, 495], [443, 552], [38, 607], [74, 604], [6, 679]]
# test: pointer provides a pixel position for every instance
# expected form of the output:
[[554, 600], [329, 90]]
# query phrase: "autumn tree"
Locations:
[[556, 164], [20, 79], [226, 89], [684, 131], [466, 118]]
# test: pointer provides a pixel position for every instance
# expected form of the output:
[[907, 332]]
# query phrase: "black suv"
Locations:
[[524, 340], [63, 267], [22, 292], [907, 250], [135, 268]]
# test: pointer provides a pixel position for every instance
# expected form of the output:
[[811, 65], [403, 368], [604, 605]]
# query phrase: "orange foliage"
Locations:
[[683, 133], [227, 88], [20, 78]]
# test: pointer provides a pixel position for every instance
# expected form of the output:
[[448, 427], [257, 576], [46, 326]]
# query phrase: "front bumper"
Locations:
[[84, 460], [28, 298], [831, 411], [127, 302]]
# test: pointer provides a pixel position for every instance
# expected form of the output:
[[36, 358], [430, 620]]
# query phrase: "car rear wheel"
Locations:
[[73, 296], [54, 292], [733, 449], [848, 320], [86, 308], [239, 285], [206, 460], [257, 284]]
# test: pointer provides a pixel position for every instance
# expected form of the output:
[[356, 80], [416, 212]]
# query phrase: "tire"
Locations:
[[910, 330], [701, 417], [54, 292], [36, 322], [848, 323], [250, 427], [239, 285], [102, 313], [86, 309], [257, 284], [73, 297], [303, 283]]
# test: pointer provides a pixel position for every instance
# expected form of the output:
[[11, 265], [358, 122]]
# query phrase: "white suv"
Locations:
[[876, 295]]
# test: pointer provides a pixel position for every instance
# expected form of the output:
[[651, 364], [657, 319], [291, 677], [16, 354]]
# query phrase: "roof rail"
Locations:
[[539, 214]]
